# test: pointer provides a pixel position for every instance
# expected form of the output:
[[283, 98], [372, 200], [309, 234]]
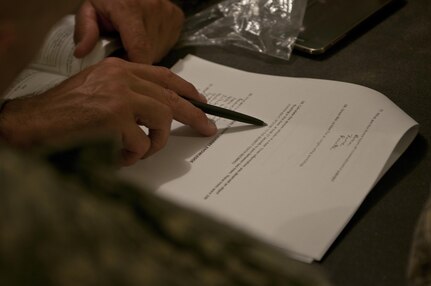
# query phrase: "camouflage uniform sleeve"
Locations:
[[419, 271], [66, 219]]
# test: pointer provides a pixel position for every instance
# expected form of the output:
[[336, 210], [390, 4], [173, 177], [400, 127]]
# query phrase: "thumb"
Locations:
[[86, 30]]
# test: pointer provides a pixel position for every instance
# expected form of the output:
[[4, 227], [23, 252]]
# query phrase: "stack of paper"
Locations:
[[294, 183]]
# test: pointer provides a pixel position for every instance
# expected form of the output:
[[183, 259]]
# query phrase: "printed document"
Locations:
[[294, 183]]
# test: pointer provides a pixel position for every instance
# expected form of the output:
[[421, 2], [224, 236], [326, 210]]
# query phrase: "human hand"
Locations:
[[111, 98], [148, 28]]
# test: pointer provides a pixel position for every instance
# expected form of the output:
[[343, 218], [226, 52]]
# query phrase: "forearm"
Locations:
[[18, 126]]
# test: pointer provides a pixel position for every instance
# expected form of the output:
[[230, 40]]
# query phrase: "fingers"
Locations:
[[167, 79], [188, 114], [86, 30], [155, 106], [182, 110], [135, 144], [151, 29], [151, 114], [166, 87], [148, 28]]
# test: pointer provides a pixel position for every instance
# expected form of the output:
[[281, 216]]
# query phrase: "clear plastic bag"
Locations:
[[266, 26]]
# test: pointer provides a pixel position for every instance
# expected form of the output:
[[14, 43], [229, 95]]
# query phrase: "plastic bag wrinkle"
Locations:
[[268, 27]]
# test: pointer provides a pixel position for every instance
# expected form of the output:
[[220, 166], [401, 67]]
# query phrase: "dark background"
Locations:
[[390, 53]]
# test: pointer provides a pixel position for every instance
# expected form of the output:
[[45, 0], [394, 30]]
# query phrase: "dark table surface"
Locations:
[[391, 54]]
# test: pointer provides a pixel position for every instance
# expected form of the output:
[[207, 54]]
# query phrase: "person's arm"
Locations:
[[148, 28], [113, 98]]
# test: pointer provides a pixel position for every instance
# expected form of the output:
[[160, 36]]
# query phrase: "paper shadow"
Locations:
[[185, 131], [172, 161]]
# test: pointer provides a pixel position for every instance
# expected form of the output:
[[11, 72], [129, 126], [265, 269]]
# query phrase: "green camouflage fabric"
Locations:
[[66, 219], [419, 272]]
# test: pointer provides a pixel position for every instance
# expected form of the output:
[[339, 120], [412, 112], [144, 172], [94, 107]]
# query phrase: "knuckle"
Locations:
[[164, 72], [172, 98], [190, 87], [112, 61], [111, 67], [166, 75]]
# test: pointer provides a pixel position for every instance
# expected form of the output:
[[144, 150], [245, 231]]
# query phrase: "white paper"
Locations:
[[31, 81], [56, 54], [294, 183], [55, 61]]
